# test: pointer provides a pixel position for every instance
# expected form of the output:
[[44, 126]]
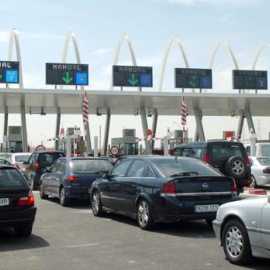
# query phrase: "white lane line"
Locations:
[[83, 245]]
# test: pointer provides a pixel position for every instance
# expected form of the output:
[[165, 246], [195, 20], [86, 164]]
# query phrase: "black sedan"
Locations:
[[162, 189], [71, 178], [17, 203]]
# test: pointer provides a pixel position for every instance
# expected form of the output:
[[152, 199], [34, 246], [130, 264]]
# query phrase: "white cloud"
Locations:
[[40, 35], [101, 51], [4, 36]]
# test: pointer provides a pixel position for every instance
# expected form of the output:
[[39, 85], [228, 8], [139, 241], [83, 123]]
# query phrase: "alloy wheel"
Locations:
[[143, 213], [234, 242]]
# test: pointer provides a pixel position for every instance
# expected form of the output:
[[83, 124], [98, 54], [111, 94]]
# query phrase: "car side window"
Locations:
[[54, 167], [185, 152], [177, 152], [62, 166], [149, 172], [32, 158], [136, 169], [120, 170]]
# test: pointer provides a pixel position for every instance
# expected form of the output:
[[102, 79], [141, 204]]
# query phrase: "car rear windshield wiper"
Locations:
[[184, 174]]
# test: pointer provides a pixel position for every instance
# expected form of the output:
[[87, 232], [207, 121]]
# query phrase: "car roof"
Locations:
[[204, 143]]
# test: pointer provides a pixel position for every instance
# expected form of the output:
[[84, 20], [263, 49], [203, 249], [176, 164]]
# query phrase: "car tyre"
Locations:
[[33, 185], [253, 183], [42, 194], [236, 167], [235, 242], [96, 204], [145, 216], [23, 231], [64, 200]]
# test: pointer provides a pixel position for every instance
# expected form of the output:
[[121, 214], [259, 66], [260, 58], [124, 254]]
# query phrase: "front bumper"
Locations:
[[217, 229]]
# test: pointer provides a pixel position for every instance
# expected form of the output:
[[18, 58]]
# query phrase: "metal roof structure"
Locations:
[[129, 102]]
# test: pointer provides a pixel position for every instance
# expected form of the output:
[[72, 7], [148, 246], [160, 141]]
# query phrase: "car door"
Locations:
[[58, 176], [131, 185], [111, 196], [30, 166], [265, 224]]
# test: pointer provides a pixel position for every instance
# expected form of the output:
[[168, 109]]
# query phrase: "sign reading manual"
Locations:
[[66, 74], [132, 76]]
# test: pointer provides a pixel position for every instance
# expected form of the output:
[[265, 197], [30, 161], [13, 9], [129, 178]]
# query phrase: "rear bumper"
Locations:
[[18, 218], [77, 192]]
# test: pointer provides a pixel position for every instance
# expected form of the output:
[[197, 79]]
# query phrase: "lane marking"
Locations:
[[83, 245]]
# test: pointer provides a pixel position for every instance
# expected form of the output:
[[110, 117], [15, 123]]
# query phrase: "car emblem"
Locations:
[[205, 186]]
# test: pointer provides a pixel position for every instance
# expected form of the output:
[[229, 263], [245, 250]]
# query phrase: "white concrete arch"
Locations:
[[71, 36], [15, 37], [165, 58], [261, 47], [117, 52]]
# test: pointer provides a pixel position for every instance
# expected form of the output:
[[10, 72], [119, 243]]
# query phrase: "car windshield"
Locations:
[[22, 158], [82, 166], [264, 161], [11, 178], [184, 167]]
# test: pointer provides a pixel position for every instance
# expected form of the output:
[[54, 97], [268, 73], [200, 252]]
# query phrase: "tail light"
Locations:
[[247, 159], [266, 170], [36, 166], [169, 188], [16, 165], [29, 200], [206, 158], [74, 179]]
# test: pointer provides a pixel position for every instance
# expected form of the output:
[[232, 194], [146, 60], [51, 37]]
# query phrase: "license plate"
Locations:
[[4, 201], [206, 208]]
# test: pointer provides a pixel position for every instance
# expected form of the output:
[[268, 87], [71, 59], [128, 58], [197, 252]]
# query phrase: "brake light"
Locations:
[[169, 188], [247, 159], [36, 166], [206, 158], [16, 165], [266, 170], [74, 178], [30, 200]]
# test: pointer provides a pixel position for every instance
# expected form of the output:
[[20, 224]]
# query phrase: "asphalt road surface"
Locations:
[[72, 238]]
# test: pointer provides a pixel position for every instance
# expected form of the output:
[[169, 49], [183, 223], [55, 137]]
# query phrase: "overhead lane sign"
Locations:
[[250, 79], [66, 74], [132, 76], [9, 72], [193, 78]]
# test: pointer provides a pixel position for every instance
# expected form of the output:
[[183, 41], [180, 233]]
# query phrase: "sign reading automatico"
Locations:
[[9, 72], [66, 74]]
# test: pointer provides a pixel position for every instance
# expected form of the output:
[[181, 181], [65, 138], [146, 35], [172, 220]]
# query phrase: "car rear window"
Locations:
[[82, 166], [264, 161], [266, 150], [49, 158], [11, 178], [21, 158], [175, 166], [225, 151]]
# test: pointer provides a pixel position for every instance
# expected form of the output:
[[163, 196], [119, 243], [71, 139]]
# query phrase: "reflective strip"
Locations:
[[197, 194]]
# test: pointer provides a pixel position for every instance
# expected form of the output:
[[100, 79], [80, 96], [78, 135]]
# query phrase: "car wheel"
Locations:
[[23, 231], [64, 200], [253, 183], [236, 167], [96, 204], [33, 185], [235, 243], [145, 216], [42, 194]]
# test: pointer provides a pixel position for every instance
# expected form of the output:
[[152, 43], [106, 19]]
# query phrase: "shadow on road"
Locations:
[[10, 242]]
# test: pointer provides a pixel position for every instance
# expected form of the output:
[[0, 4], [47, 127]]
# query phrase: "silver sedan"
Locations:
[[260, 171], [243, 228]]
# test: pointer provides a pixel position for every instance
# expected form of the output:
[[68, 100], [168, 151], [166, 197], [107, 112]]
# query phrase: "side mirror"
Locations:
[[48, 169], [105, 175]]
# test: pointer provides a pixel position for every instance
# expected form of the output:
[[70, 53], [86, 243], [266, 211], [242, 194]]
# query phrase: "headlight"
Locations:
[[220, 214]]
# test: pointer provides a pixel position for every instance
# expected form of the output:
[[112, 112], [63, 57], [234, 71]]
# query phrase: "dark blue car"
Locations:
[[162, 189], [71, 178]]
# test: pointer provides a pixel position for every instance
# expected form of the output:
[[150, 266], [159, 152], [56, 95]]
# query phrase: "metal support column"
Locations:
[[240, 127], [57, 130], [249, 121], [5, 128], [198, 118], [106, 133], [145, 128], [88, 138], [154, 127], [24, 129], [196, 136]]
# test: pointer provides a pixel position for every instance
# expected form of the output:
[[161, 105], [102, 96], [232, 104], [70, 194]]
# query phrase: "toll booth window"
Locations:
[[266, 150]]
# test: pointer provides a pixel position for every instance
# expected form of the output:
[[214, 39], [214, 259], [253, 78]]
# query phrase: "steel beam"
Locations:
[[145, 128], [57, 130], [24, 130], [154, 126], [199, 129], [240, 127], [250, 121], [106, 133]]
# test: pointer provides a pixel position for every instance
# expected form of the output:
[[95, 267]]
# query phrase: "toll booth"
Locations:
[[128, 143], [12, 142]]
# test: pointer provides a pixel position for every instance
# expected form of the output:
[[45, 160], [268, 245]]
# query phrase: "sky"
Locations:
[[150, 24]]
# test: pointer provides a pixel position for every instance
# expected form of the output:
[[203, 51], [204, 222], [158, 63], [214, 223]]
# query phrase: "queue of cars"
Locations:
[[200, 181]]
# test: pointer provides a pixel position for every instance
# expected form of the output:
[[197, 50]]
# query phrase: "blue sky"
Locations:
[[150, 24]]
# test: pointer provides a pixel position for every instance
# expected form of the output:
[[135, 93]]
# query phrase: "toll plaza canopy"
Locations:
[[129, 102]]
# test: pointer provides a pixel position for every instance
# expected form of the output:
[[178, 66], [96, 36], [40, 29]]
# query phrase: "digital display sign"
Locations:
[[250, 79], [132, 76], [9, 72], [193, 78], [66, 74]]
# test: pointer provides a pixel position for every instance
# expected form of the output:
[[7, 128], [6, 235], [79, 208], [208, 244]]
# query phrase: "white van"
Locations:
[[261, 149]]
